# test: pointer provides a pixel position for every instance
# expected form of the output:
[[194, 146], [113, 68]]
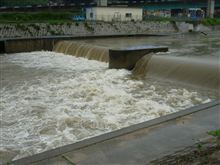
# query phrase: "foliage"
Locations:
[[29, 17], [215, 133], [211, 21], [22, 2], [88, 27]]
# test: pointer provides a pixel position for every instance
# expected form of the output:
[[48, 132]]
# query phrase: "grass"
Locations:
[[211, 21], [37, 17], [215, 133], [206, 21], [22, 2]]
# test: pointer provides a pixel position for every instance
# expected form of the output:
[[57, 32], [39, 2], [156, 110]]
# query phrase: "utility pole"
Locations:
[[211, 8]]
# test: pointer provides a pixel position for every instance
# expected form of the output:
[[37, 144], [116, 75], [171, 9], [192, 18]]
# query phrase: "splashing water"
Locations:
[[50, 99]]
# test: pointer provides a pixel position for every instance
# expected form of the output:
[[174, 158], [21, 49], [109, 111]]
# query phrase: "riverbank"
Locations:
[[83, 28], [18, 30]]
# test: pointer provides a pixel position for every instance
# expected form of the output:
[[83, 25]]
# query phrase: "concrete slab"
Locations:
[[147, 144], [54, 161], [141, 143]]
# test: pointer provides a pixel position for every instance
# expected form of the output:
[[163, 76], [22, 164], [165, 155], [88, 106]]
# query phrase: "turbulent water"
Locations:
[[80, 49], [50, 99], [196, 72]]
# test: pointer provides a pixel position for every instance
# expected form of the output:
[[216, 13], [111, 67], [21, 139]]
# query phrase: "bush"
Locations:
[[89, 28], [22, 2], [36, 17], [211, 21]]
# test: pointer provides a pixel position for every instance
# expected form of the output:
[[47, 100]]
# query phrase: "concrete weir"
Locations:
[[137, 144], [16, 45], [128, 57], [117, 58], [125, 57]]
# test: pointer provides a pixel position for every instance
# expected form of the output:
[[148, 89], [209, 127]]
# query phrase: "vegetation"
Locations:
[[215, 133], [89, 28], [36, 17], [22, 2], [211, 21], [206, 21], [67, 17]]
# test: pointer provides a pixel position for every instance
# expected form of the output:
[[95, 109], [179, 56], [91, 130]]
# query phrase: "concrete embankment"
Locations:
[[27, 30], [83, 29]]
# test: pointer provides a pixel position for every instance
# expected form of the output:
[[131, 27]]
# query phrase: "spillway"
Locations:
[[80, 49], [190, 71]]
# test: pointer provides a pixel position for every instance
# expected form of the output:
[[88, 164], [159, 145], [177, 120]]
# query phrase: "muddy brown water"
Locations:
[[52, 99]]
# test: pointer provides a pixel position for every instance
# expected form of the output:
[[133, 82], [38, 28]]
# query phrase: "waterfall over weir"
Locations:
[[191, 71], [199, 72], [80, 49]]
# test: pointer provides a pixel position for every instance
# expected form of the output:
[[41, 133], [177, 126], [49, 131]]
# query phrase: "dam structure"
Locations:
[[117, 58], [184, 70], [102, 101]]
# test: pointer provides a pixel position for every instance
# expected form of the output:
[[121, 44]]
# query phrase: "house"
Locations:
[[109, 14]]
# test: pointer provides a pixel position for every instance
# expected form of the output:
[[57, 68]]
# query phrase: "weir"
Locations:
[[117, 58], [143, 61], [79, 49], [17, 45], [184, 70]]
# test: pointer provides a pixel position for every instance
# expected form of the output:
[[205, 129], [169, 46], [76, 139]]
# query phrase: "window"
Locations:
[[128, 15], [91, 15]]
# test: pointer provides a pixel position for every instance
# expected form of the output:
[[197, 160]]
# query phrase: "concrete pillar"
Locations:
[[211, 8]]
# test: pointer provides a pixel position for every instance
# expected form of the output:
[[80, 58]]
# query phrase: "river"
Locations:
[[50, 99]]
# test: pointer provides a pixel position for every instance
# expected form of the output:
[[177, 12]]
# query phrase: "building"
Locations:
[[109, 14], [102, 2]]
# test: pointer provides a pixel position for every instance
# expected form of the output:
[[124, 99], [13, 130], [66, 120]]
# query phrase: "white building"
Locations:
[[109, 14], [102, 2]]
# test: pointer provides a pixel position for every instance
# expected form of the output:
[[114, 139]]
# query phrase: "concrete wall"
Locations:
[[109, 14], [47, 43], [84, 29], [28, 45]]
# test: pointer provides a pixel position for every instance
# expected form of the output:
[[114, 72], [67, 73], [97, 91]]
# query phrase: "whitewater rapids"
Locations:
[[50, 99]]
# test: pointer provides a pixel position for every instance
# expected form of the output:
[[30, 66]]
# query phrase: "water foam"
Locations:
[[65, 99]]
